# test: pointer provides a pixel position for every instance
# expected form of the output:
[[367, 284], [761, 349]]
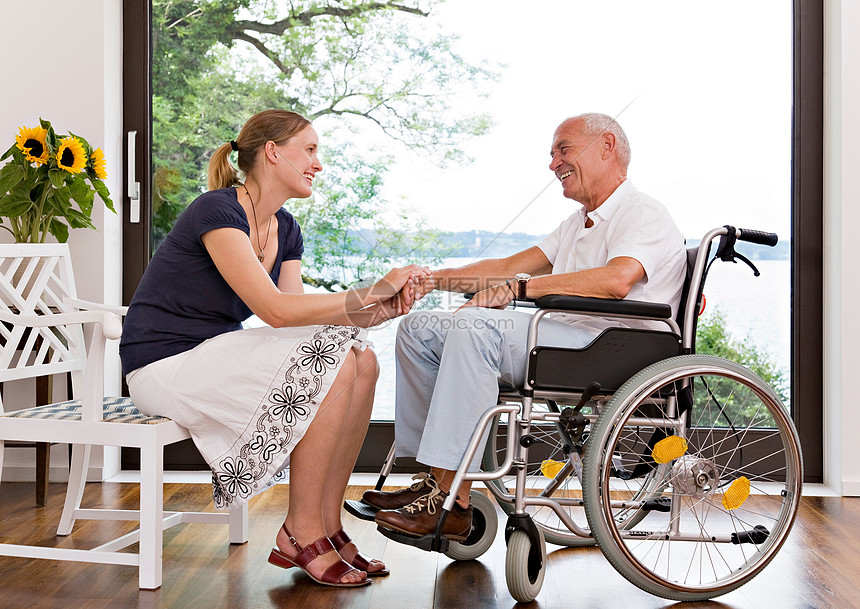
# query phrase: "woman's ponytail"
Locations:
[[222, 174]]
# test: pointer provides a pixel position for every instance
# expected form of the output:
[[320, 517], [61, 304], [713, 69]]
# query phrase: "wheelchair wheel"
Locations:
[[485, 523], [524, 577], [733, 485], [550, 448]]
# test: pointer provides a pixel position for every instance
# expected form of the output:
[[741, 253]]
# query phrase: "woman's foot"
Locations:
[[318, 559], [349, 551]]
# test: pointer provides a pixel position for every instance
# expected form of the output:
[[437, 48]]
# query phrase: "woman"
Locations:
[[257, 399]]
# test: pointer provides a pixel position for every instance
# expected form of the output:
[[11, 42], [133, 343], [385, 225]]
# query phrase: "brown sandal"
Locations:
[[305, 555], [359, 561]]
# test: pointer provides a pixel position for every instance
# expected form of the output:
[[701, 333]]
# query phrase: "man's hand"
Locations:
[[498, 296]]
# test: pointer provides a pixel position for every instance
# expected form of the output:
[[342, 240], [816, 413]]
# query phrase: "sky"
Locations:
[[703, 91]]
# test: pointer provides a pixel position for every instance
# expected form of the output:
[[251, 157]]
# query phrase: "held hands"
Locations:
[[398, 291]]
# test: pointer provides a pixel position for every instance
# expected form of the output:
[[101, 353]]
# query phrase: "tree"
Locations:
[[713, 338], [351, 66]]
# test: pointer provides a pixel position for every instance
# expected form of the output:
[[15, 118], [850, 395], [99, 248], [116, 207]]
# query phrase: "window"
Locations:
[[704, 93]]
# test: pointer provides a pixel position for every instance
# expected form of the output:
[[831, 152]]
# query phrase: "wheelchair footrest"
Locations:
[[757, 535], [663, 504], [427, 542], [360, 509]]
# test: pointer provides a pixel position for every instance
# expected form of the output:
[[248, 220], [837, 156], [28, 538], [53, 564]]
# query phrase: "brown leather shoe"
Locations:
[[419, 518], [393, 500]]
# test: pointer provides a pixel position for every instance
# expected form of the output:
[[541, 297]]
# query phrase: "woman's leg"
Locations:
[[310, 462], [353, 430]]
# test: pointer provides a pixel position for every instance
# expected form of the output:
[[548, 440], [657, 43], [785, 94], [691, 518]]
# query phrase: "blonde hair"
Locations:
[[267, 126]]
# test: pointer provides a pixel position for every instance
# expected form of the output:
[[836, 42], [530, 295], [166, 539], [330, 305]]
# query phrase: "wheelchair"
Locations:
[[684, 469]]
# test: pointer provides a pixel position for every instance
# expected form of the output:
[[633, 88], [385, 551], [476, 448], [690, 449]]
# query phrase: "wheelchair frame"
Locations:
[[654, 398]]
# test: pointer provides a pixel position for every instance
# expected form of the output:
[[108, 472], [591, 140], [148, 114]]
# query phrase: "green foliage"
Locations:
[[713, 338], [356, 64], [346, 236]]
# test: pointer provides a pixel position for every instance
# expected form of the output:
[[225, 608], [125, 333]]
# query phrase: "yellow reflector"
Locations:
[[736, 494], [669, 449], [550, 468]]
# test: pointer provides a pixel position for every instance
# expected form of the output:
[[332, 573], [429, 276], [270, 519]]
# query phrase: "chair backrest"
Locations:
[[692, 293], [37, 279]]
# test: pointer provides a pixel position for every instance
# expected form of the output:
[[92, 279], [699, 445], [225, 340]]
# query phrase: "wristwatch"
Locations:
[[522, 282]]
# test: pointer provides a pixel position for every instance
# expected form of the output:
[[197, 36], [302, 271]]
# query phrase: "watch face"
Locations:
[[522, 276]]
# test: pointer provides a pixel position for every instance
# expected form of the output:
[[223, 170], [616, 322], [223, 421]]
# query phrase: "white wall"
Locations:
[[841, 222], [63, 62]]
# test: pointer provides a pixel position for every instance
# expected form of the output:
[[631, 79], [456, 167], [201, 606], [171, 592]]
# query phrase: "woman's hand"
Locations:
[[498, 296]]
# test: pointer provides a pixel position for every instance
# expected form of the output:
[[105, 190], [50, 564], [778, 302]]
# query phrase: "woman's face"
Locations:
[[297, 162]]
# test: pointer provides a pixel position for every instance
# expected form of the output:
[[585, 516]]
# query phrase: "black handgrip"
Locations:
[[757, 236]]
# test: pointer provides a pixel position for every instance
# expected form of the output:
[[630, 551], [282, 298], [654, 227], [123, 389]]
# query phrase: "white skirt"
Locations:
[[247, 398]]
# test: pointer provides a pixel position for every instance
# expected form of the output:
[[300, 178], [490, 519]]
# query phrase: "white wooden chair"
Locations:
[[41, 333]]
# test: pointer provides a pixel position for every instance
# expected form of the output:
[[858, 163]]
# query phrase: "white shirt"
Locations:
[[632, 224]]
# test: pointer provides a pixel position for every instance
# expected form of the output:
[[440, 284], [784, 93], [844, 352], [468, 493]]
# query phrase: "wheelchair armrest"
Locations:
[[635, 308]]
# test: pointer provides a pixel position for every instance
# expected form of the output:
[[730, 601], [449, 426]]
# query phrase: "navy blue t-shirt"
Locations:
[[182, 299]]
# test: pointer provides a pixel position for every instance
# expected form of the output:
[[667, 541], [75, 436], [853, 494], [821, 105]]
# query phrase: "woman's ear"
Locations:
[[271, 151]]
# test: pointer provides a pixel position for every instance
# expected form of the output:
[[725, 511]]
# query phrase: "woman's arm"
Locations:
[[234, 257], [290, 279]]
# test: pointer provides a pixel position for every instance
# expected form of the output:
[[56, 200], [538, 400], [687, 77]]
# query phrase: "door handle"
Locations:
[[133, 185]]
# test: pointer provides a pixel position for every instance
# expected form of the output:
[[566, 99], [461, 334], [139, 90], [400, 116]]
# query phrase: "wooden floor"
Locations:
[[818, 568]]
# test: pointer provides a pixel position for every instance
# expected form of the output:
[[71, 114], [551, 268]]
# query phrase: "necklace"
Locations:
[[262, 247]]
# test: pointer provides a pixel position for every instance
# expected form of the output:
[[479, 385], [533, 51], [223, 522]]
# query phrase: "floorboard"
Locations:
[[818, 568]]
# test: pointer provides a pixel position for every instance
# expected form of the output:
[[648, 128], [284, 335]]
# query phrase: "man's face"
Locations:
[[575, 160]]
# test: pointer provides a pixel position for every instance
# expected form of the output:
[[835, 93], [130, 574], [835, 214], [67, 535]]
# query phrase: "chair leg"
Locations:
[[43, 468], [239, 524], [151, 515], [75, 489], [2, 452]]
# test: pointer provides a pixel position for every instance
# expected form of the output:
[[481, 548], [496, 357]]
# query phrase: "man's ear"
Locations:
[[608, 146]]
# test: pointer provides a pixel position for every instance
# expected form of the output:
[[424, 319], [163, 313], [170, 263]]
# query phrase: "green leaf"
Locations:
[[57, 177], [9, 152], [10, 176], [60, 202], [78, 220], [104, 193], [59, 230], [11, 207]]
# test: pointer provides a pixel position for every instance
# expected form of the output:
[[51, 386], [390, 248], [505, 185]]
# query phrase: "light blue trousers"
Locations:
[[449, 368]]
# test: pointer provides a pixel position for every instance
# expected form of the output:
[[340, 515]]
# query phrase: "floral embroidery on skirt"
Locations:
[[259, 458]]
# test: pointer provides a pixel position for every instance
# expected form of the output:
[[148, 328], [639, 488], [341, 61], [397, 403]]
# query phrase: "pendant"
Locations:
[[260, 256]]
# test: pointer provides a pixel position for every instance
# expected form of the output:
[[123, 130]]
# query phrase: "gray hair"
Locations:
[[595, 123]]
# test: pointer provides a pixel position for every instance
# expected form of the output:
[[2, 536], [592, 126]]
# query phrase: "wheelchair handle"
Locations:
[[757, 237]]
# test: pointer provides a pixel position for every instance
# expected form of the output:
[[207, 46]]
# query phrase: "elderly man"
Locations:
[[620, 244]]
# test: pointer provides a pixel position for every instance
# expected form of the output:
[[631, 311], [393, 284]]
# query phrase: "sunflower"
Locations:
[[31, 141], [71, 155], [97, 164]]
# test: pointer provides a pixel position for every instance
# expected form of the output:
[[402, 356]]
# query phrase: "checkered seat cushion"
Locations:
[[116, 410]]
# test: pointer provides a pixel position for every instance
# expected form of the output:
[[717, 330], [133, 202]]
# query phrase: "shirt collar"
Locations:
[[608, 208]]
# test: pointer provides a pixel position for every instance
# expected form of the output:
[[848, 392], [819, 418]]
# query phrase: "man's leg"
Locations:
[[418, 351], [481, 348]]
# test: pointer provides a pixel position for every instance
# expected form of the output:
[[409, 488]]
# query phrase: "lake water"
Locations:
[[754, 307]]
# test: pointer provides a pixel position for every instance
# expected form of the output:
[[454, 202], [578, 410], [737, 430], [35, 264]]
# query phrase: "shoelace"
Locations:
[[423, 478], [432, 498]]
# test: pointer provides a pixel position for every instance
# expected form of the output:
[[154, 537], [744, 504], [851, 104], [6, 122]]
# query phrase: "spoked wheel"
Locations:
[[734, 476], [551, 472], [485, 523], [523, 573]]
